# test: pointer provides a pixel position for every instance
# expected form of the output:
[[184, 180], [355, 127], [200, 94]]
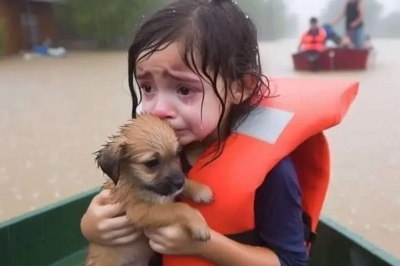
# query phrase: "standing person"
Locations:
[[260, 148], [353, 11]]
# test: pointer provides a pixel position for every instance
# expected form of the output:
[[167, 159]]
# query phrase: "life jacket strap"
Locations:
[[252, 237], [309, 235]]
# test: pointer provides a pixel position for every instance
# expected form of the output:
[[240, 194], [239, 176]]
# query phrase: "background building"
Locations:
[[26, 23]]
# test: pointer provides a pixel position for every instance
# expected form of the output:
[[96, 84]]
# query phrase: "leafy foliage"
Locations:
[[107, 21], [104, 20], [2, 36]]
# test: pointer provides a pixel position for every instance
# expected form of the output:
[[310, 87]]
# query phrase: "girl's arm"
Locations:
[[279, 224], [225, 252]]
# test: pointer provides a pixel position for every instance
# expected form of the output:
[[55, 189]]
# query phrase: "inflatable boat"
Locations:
[[51, 236]]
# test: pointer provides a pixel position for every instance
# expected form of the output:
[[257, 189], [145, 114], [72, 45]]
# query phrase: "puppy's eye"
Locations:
[[152, 163]]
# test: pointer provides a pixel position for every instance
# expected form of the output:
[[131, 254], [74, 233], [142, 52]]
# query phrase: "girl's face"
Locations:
[[173, 92]]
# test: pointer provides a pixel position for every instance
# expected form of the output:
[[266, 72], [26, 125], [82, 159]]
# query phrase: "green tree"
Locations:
[[107, 21], [103, 20], [2, 36]]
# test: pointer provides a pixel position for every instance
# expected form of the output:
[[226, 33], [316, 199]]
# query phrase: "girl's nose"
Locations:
[[164, 111]]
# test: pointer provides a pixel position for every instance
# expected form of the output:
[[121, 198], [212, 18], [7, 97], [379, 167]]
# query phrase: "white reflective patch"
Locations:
[[265, 123]]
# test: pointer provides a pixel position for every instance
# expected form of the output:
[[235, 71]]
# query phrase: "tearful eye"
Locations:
[[184, 91], [152, 163], [146, 89]]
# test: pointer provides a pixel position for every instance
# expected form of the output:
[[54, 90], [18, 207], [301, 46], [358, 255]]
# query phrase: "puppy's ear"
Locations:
[[110, 158]]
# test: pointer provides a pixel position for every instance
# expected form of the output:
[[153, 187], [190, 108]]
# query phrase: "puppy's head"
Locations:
[[145, 155]]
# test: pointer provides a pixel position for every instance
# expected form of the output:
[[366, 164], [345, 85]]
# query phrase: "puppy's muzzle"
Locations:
[[169, 185], [177, 180]]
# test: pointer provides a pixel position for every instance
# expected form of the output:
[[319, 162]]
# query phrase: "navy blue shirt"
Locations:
[[278, 215]]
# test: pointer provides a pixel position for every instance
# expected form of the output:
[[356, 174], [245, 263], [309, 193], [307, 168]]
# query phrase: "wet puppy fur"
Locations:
[[142, 163]]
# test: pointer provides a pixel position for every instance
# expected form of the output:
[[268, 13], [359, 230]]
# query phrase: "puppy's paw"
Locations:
[[202, 194], [200, 232], [197, 226]]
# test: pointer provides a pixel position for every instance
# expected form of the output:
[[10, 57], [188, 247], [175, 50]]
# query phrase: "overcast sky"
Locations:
[[309, 8]]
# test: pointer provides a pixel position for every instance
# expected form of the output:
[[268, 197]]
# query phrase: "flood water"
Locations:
[[54, 113]]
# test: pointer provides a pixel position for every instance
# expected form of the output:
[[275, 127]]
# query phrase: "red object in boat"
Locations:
[[334, 59]]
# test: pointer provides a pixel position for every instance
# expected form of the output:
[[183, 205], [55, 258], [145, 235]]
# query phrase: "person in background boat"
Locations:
[[314, 38], [353, 11], [313, 42], [332, 38]]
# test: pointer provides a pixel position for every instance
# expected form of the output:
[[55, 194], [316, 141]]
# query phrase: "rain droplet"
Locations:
[[32, 208], [18, 197], [35, 195], [57, 194], [367, 226], [174, 11], [247, 16], [29, 164]]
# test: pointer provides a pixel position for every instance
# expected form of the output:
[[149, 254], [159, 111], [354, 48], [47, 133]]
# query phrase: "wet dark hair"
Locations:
[[313, 20], [220, 35]]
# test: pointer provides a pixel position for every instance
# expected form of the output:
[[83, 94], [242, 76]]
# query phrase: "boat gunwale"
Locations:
[[335, 226]]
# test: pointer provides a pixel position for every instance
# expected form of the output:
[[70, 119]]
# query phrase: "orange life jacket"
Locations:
[[310, 42], [291, 123]]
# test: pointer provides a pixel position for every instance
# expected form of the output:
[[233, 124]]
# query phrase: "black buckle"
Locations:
[[309, 235]]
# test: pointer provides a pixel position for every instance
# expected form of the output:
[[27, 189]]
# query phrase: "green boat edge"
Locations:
[[51, 236]]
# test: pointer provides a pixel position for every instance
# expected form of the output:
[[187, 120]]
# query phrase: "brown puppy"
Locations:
[[142, 162]]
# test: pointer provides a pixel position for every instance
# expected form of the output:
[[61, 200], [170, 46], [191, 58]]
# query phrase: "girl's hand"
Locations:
[[173, 240], [106, 224]]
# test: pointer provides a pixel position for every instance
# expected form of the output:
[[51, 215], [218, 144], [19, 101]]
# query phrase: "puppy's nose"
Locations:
[[178, 180]]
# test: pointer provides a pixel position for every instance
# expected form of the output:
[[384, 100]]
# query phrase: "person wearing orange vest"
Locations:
[[258, 143], [314, 38]]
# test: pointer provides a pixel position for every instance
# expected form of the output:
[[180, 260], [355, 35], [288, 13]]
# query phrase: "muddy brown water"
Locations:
[[54, 113]]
